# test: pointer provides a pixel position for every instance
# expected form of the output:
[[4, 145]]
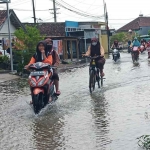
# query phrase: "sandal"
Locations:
[[58, 92]]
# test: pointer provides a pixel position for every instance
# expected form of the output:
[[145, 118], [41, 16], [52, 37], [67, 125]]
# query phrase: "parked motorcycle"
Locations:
[[41, 85], [115, 54], [135, 54]]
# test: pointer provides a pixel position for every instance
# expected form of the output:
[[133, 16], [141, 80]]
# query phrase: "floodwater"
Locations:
[[112, 118]]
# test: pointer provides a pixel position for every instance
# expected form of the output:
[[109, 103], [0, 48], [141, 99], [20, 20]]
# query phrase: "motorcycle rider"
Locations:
[[137, 44], [129, 45], [115, 45], [41, 55], [143, 43], [148, 47], [56, 62], [96, 49]]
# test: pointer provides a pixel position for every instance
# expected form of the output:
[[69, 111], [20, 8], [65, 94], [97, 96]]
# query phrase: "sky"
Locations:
[[120, 12]]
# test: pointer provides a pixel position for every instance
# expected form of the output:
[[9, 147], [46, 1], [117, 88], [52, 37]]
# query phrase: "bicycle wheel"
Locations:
[[98, 78], [92, 81], [101, 81]]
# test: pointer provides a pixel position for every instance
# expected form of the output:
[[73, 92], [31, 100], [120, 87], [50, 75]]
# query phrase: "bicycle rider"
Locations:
[[96, 49]]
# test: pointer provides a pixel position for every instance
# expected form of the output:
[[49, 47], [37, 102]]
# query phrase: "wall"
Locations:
[[104, 42], [4, 30], [71, 24], [143, 30]]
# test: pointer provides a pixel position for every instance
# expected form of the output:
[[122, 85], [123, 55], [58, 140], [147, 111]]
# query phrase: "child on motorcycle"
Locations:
[[41, 55]]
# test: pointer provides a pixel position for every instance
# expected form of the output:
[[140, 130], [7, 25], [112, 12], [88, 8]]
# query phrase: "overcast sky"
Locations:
[[120, 12]]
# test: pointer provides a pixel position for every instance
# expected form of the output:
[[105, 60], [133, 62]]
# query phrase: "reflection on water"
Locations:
[[101, 119], [111, 118]]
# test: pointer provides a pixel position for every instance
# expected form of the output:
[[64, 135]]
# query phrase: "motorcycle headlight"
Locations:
[[41, 82], [32, 82]]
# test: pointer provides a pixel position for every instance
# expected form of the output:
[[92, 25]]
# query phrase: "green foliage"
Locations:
[[27, 45], [121, 37], [148, 32], [4, 59], [21, 58], [30, 38], [4, 62], [144, 141]]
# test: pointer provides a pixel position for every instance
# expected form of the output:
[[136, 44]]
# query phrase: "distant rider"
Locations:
[[136, 43], [115, 45]]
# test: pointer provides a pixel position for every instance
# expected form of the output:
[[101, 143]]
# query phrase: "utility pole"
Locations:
[[10, 46], [104, 10], [54, 7], [107, 26], [54, 11], [34, 17]]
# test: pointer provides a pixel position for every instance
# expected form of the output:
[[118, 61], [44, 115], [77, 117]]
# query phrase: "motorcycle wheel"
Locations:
[[133, 58], [38, 102], [115, 58]]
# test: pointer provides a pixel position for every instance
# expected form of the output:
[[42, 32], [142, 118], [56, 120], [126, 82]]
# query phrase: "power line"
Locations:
[[88, 4], [76, 8], [77, 12], [17, 9], [20, 3]]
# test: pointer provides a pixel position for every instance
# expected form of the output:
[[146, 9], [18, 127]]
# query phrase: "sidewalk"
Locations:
[[7, 77]]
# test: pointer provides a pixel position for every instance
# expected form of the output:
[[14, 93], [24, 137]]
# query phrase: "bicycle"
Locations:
[[94, 74]]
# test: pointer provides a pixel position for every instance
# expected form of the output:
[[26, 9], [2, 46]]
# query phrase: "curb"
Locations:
[[4, 71]]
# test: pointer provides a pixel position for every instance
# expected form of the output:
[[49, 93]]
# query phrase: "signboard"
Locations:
[[57, 46]]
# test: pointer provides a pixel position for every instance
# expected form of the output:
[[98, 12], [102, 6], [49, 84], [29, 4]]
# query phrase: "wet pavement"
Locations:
[[109, 119]]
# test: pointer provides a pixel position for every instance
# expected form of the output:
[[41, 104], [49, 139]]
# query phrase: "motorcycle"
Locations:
[[115, 54], [41, 85], [148, 50], [142, 48], [129, 49], [135, 54]]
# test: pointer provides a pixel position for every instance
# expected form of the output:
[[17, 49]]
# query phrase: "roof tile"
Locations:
[[136, 24]]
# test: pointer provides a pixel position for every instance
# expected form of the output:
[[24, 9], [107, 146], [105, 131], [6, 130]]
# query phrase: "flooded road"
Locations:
[[109, 119]]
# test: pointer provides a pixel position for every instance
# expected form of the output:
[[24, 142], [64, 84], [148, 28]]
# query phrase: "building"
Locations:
[[85, 31], [14, 23], [140, 25], [75, 36]]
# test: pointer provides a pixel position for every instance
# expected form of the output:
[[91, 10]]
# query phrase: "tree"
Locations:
[[28, 38], [26, 44], [121, 37]]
